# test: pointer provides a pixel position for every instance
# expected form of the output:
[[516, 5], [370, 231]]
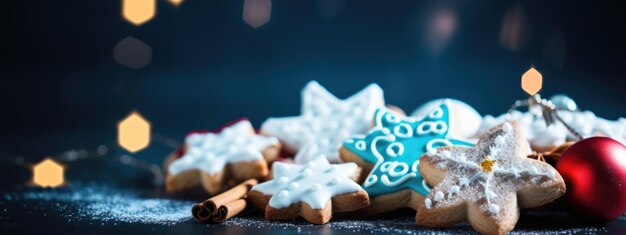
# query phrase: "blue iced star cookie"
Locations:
[[395, 145]]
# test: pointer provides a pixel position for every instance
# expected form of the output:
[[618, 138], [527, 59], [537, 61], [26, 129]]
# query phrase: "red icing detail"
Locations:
[[180, 152]]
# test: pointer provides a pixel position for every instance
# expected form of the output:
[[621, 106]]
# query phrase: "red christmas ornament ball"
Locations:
[[594, 171]]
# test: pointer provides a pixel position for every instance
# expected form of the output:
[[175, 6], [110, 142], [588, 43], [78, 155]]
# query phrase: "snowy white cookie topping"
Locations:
[[210, 152], [326, 121], [313, 183]]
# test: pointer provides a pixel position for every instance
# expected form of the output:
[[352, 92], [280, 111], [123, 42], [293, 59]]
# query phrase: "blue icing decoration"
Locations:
[[395, 145]]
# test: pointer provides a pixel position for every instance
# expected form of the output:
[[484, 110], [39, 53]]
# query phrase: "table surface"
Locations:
[[111, 197]]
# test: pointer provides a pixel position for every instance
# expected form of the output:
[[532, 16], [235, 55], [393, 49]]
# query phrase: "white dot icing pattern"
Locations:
[[465, 179], [211, 152], [326, 121], [325, 181]]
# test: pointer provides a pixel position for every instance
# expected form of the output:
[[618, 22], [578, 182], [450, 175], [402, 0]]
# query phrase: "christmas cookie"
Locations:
[[543, 137], [235, 153], [314, 190], [465, 119], [390, 152], [486, 184], [325, 120], [540, 136]]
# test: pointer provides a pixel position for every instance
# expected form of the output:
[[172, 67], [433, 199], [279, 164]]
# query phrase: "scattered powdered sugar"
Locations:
[[403, 224], [108, 205], [400, 225], [105, 204]]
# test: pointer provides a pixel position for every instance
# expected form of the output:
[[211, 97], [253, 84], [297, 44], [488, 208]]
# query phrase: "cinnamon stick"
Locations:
[[553, 155], [232, 194], [200, 213], [225, 205], [229, 210]]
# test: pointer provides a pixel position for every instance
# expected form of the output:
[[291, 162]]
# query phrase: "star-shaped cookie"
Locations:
[[486, 184], [325, 120], [313, 191], [392, 150], [236, 152]]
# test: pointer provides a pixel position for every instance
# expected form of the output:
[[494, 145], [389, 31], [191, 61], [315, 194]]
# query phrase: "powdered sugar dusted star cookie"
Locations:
[[326, 120], [391, 150], [486, 184], [313, 190], [236, 152]]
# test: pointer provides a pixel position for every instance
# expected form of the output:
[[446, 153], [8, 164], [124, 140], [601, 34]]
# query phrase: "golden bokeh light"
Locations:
[[48, 173], [133, 133], [175, 2], [531, 81], [138, 12]]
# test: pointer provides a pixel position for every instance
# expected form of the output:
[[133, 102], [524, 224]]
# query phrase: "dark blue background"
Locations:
[[61, 88]]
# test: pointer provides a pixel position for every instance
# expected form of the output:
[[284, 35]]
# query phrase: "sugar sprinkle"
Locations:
[[106, 204], [109, 205]]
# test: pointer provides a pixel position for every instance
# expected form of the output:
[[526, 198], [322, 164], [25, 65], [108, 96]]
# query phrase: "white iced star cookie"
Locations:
[[486, 184], [314, 191], [326, 121], [236, 152]]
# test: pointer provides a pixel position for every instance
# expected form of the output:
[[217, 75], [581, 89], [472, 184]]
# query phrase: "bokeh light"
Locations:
[[133, 133], [441, 25], [532, 81], [48, 173], [514, 31], [132, 53], [256, 13], [138, 12], [175, 2]]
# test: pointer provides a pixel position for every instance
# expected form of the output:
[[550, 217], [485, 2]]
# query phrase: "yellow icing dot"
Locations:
[[487, 164]]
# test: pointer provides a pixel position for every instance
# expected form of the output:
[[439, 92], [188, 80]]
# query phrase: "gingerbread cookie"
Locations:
[[486, 184], [325, 120], [314, 191], [390, 153], [211, 159]]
